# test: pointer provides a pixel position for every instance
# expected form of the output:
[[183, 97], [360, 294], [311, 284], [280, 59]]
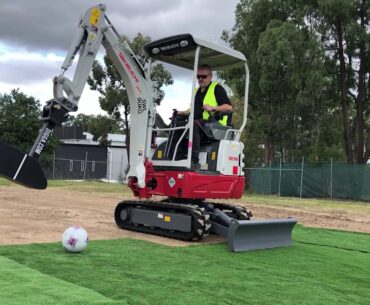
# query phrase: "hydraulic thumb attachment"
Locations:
[[24, 168]]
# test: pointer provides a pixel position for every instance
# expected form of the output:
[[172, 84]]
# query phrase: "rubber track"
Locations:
[[201, 222]]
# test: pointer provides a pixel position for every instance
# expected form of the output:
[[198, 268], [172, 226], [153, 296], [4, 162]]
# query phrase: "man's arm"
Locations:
[[223, 101], [220, 108]]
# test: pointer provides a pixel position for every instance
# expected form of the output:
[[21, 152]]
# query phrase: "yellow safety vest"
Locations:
[[210, 99]]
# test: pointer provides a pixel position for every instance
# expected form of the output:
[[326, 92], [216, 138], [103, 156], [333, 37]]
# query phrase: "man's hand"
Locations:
[[209, 108]]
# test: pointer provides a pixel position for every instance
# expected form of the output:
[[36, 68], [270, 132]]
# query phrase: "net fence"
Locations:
[[324, 180], [76, 169]]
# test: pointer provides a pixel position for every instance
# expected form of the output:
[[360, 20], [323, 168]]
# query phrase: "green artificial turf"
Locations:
[[23, 285], [322, 267]]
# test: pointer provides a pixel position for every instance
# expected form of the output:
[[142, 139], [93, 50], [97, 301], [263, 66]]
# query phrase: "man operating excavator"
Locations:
[[210, 98], [185, 213]]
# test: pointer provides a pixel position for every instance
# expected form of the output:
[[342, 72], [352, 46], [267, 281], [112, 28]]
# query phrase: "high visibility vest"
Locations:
[[210, 99]]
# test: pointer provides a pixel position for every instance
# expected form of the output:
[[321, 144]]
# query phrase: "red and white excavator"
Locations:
[[185, 212]]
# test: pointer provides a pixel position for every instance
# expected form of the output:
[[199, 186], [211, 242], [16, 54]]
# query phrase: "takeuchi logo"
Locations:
[[128, 67]]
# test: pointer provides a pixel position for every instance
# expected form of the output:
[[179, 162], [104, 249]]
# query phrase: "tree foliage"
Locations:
[[107, 81], [309, 78], [98, 125], [20, 123]]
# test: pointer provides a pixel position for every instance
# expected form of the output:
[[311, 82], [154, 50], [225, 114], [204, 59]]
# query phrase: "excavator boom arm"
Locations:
[[95, 29]]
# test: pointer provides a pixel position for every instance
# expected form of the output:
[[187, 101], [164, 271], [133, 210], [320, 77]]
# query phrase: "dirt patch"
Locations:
[[342, 219], [31, 216]]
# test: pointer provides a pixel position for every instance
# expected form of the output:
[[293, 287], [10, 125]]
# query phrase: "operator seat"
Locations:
[[213, 131]]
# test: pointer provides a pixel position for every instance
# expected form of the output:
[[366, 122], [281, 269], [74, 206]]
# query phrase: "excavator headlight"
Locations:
[[155, 51]]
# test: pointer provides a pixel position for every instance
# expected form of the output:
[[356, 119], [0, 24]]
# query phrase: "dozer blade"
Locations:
[[20, 167], [247, 235]]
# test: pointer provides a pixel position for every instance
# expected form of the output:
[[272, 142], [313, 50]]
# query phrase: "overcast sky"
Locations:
[[35, 36]]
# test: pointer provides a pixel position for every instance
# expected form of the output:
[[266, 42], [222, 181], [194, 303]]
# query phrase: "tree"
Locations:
[[291, 83], [99, 126], [109, 84], [20, 124], [344, 29], [78, 120]]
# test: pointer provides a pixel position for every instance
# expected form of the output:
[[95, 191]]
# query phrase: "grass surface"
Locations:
[[121, 189], [23, 285], [81, 186], [90, 186], [5, 182], [358, 206], [323, 267]]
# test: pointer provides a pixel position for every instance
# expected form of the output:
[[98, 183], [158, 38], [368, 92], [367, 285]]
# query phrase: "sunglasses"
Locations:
[[199, 76]]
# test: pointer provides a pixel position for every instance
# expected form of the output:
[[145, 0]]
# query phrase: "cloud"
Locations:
[[35, 37], [21, 67], [49, 25]]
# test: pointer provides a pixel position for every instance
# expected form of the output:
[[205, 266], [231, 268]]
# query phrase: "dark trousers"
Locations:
[[198, 124]]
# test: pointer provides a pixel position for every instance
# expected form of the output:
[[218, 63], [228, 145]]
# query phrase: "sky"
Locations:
[[35, 37]]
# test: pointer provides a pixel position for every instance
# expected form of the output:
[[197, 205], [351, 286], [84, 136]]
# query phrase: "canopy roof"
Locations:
[[179, 50]]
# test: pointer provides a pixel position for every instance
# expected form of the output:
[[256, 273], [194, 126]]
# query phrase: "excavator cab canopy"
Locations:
[[180, 50], [189, 52]]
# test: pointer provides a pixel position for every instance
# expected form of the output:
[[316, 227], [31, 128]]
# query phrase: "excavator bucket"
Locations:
[[247, 235], [20, 167]]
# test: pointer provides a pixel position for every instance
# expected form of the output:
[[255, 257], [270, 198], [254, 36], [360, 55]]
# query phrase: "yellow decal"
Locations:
[[159, 154], [213, 155], [167, 218], [94, 17]]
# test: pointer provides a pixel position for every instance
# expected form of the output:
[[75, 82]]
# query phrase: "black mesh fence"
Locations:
[[72, 169], [324, 180]]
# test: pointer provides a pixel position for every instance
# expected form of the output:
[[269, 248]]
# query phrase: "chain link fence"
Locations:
[[78, 169], [323, 180]]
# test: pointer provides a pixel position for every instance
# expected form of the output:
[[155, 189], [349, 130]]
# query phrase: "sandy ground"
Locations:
[[31, 216]]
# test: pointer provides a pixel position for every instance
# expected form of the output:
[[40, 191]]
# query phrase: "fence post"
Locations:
[[85, 165], [54, 165], [121, 171], [280, 177], [331, 178], [300, 193], [109, 164]]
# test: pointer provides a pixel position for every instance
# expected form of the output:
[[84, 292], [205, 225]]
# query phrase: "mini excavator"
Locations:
[[187, 212]]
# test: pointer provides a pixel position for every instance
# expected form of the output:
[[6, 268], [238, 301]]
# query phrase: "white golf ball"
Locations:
[[75, 239]]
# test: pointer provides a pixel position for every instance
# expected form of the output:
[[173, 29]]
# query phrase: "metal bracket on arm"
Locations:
[[52, 115], [63, 84], [86, 41]]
